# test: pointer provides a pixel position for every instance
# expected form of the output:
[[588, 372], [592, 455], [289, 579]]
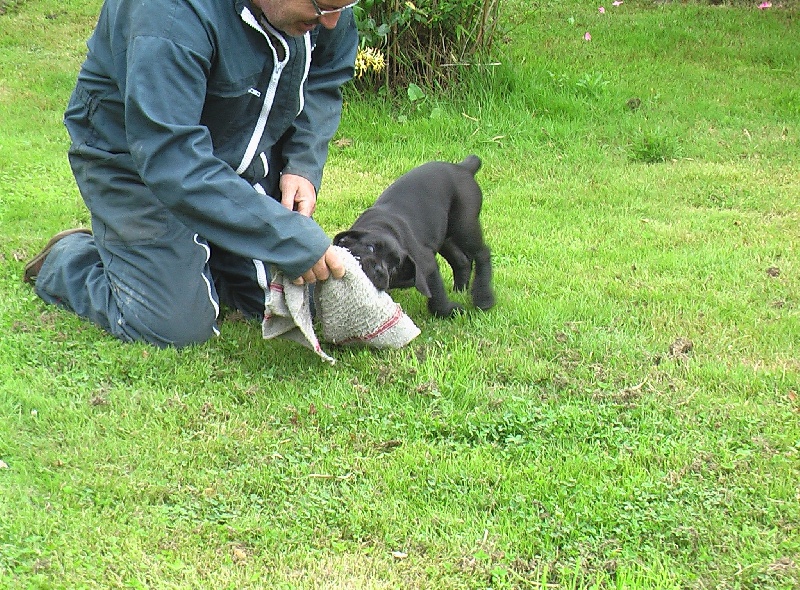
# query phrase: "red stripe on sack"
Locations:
[[383, 328]]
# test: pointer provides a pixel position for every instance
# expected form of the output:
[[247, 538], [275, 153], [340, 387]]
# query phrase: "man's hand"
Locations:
[[298, 194], [330, 265]]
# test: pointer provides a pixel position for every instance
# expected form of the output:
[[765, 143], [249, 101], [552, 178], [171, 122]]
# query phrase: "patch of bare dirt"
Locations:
[[681, 348]]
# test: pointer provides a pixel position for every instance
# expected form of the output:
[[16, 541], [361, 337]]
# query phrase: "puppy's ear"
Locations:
[[347, 237], [420, 278], [413, 266], [391, 256]]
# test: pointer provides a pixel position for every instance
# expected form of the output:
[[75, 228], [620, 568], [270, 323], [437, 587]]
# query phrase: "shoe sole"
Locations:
[[29, 277]]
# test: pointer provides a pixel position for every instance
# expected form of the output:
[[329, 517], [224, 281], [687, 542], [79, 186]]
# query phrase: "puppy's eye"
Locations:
[[371, 249]]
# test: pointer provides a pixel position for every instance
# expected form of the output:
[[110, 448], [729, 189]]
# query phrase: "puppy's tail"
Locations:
[[471, 163]]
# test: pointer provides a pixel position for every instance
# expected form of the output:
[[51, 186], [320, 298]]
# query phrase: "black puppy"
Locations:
[[432, 209]]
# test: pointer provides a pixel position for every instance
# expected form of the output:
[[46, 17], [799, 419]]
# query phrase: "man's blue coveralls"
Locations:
[[184, 116]]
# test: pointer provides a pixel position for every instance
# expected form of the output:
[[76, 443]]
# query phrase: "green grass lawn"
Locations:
[[628, 416]]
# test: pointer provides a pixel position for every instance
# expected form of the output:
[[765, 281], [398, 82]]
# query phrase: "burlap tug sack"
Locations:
[[349, 310]]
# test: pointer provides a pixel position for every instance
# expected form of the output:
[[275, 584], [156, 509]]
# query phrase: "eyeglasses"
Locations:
[[321, 12]]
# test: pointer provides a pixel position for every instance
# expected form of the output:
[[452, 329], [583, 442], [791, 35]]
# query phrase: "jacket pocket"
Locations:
[[230, 111]]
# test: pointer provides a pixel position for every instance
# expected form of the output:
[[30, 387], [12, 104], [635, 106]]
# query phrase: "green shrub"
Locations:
[[428, 42]]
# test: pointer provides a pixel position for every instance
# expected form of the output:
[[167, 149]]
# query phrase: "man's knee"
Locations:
[[165, 332], [163, 325]]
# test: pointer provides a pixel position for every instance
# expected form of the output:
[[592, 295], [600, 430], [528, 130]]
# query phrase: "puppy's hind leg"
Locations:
[[482, 292], [459, 262]]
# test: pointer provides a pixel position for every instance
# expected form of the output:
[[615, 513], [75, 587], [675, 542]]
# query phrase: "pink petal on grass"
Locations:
[[602, 10], [764, 5], [616, 3], [587, 36]]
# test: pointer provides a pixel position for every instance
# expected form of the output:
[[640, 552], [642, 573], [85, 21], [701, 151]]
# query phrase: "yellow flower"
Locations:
[[369, 59]]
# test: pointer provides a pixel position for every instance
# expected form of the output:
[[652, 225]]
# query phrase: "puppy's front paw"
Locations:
[[446, 310], [483, 298]]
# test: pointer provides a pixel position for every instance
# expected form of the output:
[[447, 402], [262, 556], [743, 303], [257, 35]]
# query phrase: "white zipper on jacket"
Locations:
[[307, 39], [204, 245], [269, 98]]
